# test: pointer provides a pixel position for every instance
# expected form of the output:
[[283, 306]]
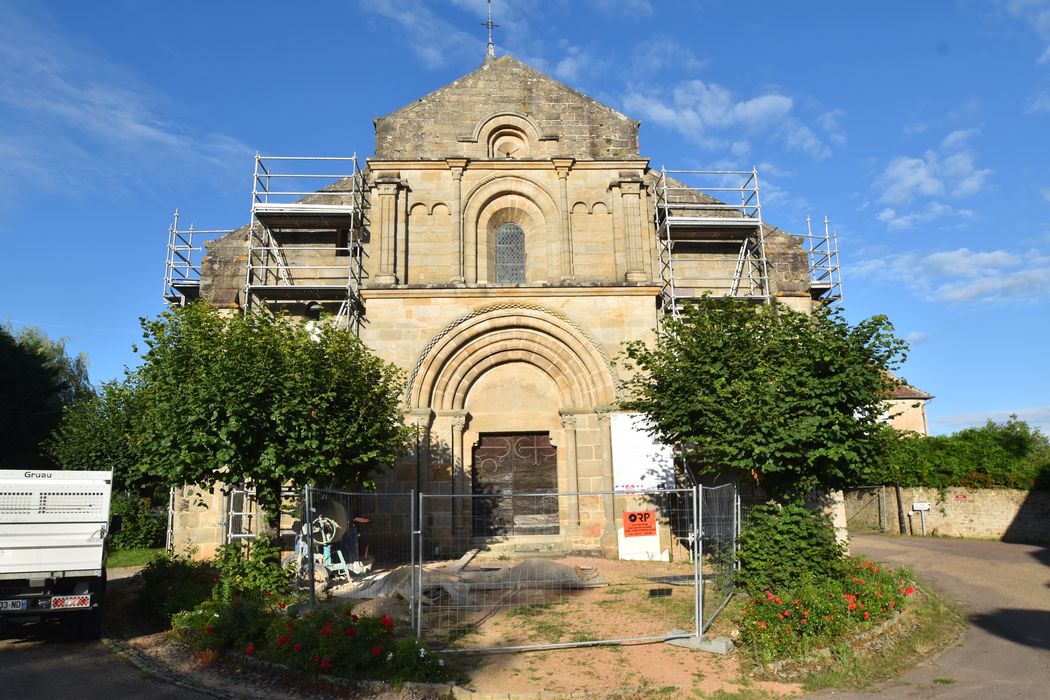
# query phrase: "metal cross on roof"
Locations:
[[491, 52]]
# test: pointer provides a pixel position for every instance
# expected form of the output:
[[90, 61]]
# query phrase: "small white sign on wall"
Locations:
[[639, 462]]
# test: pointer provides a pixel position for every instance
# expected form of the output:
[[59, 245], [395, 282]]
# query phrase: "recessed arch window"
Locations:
[[510, 255], [508, 142]]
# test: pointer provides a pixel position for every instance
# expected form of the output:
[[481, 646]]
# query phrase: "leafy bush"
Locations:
[[791, 621], [172, 584], [140, 528], [1008, 455], [330, 639], [250, 570], [783, 545]]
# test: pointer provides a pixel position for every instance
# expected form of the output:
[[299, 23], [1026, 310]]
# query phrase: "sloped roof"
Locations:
[[904, 390]]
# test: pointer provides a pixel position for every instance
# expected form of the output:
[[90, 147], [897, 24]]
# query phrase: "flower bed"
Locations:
[[819, 613]]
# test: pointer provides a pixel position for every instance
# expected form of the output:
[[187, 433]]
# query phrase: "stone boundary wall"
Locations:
[[1011, 515]]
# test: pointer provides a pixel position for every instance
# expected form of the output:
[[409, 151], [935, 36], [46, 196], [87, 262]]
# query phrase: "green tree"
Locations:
[[1011, 454], [38, 378], [98, 432], [258, 398], [795, 400]]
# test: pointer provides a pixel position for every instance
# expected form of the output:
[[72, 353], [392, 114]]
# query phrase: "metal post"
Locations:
[[310, 542], [419, 571], [698, 553], [736, 529], [169, 543], [413, 601]]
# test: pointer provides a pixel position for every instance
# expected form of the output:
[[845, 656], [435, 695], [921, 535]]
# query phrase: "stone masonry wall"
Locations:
[[439, 125], [1007, 514]]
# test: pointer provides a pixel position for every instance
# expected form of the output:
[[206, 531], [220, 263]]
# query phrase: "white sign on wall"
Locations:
[[639, 462]]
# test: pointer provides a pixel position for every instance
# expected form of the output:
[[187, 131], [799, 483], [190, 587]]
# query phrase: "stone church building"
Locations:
[[502, 244]]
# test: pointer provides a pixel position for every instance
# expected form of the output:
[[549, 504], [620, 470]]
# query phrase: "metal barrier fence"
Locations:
[[510, 571]]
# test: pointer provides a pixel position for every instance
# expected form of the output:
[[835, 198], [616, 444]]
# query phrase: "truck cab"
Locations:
[[53, 529]]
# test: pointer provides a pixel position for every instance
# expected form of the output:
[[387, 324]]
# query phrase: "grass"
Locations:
[[934, 624], [131, 557]]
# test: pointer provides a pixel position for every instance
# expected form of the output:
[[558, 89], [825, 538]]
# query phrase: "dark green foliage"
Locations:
[[795, 400], [782, 546], [172, 584], [140, 527], [98, 432], [37, 379], [250, 570], [1009, 455], [262, 399]]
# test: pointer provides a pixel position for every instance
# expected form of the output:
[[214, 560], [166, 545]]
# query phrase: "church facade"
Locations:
[[512, 238]]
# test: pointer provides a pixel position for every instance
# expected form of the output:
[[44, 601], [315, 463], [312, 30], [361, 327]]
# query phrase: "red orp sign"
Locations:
[[640, 523]]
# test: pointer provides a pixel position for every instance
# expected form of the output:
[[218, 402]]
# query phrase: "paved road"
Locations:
[[1004, 590], [36, 663]]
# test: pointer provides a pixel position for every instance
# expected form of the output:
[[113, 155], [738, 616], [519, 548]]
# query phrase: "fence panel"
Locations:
[[357, 548], [525, 571], [719, 510]]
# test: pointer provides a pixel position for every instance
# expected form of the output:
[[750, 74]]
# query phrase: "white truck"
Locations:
[[53, 528]]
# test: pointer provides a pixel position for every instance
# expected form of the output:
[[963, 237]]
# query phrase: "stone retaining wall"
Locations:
[[1007, 514]]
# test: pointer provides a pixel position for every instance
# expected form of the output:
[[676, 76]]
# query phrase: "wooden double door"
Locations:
[[515, 485]]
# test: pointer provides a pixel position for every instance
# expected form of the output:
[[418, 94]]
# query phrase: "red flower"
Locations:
[[909, 590], [376, 651], [780, 616], [770, 596], [209, 629], [350, 631], [298, 647], [282, 640], [386, 621], [250, 649], [805, 621], [761, 625], [282, 606], [852, 606], [805, 613], [893, 603], [326, 663], [866, 614], [779, 601], [289, 625]]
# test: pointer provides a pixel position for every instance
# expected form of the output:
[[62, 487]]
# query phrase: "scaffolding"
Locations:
[[712, 240], [825, 275], [182, 266], [305, 239]]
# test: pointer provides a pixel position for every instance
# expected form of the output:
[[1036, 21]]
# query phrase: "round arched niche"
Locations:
[[535, 396], [512, 199], [508, 143]]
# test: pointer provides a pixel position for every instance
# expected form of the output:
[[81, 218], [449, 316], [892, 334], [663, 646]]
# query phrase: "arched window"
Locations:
[[510, 255]]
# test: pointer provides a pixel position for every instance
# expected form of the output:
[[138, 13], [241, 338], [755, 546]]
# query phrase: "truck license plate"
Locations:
[[13, 604]]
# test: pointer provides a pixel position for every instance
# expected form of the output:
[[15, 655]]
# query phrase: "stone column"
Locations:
[[631, 193], [422, 419], [401, 236], [459, 489], [457, 166], [563, 166], [385, 227], [609, 544], [572, 482]]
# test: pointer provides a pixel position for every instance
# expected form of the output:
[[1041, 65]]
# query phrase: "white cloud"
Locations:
[[79, 123], [714, 117], [1046, 193], [661, 54], [964, 275], [430, 37], [624, 7], [950, 172], [959, 137], [829, 122], [917, 337], [1039, 103], [1036, 13]]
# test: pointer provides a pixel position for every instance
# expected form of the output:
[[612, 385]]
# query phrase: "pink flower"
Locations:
[[250, 649]]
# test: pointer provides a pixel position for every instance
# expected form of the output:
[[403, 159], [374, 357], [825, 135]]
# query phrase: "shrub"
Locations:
[[140, 527], [172, 584], [783, 545], [329, 639], [791, 621], [250, 570]]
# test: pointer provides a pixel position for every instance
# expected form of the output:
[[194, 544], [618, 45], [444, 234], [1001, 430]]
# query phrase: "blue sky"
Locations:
[[919, 128]]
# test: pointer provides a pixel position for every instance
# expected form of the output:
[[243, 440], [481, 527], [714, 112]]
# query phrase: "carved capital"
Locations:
[[459, 421], [457, 166], [421, 418], [563, 166], [568, 421]]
